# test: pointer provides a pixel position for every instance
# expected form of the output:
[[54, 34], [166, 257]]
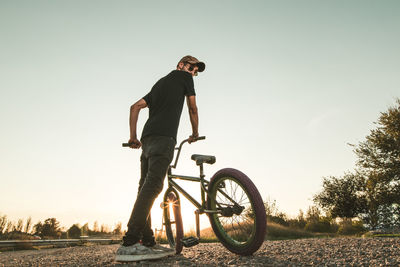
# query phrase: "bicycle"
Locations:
[[231, 201]]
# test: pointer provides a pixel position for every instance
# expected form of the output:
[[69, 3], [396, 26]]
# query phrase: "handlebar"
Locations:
[[177, 148], [184, 141]]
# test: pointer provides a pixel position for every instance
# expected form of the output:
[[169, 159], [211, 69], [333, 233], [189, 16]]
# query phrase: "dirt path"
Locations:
[[302, 252]]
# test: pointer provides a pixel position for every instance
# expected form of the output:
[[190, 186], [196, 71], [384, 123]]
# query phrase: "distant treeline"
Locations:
[[50, 229]]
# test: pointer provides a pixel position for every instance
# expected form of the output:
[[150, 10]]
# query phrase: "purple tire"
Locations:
[[241, 222]]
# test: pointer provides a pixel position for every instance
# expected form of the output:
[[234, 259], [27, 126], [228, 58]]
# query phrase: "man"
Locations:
[[165, 103]]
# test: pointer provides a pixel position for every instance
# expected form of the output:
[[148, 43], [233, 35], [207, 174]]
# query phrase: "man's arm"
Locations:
[[194, 117], [133, 118]]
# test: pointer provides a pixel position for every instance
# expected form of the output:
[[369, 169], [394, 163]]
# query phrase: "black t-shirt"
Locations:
[[165, 102]]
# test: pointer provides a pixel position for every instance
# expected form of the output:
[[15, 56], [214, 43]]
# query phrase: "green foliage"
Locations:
[[380, 152], [278, 231], [317, 223], [322, 226], [299, 222], [351, 228], [340, 196], [273, 213], [372, 191], [279, 226], [379, 164]]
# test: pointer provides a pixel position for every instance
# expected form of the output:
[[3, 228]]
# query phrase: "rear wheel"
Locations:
[[241, 223], [173, 220]]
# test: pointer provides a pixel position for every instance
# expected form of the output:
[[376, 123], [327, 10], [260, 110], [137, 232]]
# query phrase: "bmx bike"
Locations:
[[230, 199]]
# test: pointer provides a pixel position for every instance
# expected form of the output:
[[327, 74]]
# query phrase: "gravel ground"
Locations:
[[301, 252]]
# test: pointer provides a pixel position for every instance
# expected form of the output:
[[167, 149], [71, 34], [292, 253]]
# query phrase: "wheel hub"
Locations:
[[229, 211]]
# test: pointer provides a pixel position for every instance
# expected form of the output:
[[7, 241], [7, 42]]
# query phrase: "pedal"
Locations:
[[190, 241]]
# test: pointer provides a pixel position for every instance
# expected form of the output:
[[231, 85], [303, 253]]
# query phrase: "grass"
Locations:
[[381, 235], [278, 232], [274, 232], [206, 236]]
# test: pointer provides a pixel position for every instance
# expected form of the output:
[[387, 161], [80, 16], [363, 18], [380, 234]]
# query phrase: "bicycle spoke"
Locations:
[[241, 197], [238, 227]]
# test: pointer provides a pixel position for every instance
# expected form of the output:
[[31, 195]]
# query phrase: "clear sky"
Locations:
[[287, 85]]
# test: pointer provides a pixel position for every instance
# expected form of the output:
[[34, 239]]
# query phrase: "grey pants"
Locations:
[[157, 154]]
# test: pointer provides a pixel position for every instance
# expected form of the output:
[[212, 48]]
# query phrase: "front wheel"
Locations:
[[240, 223], [173, 220]]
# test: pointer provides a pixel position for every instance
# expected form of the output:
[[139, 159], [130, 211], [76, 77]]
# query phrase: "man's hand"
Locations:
[[134, 143], [192, 138]]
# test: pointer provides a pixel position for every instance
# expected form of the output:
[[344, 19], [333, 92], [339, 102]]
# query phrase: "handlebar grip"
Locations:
[[126, 144], [200, 138]]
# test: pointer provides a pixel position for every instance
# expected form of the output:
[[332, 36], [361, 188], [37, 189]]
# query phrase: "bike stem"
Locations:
[[179, 148]]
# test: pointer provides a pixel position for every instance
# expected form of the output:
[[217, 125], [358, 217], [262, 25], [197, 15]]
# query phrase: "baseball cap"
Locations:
[[194, 61]]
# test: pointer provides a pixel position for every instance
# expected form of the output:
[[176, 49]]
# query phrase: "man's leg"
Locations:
[[129, 237], [147, 233], [159, 153]]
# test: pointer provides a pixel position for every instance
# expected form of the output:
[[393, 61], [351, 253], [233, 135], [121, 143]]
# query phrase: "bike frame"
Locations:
[[203, 183], [201, 207]]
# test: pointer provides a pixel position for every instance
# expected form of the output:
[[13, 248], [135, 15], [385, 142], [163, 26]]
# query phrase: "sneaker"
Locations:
[[138, 252], [167, 250]]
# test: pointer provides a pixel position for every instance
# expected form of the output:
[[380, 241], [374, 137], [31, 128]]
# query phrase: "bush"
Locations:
[[318, 227], [281, 219], [14, 235], [352, 228], [74, 231], [277, 231], [323, 225]]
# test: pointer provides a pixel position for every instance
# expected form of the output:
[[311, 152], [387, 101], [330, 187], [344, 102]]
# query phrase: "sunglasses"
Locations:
[[191, 68]]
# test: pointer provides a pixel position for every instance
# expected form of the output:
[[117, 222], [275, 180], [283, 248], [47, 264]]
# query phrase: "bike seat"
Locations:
[[200, 159]]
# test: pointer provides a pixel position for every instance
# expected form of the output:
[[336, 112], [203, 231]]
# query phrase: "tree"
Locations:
[[273, 213], [28, 225], [37, 228], [3, 224], [379, 163], [95, 226], [10, 226], [50, 228], [315, 222], [117, 229], [85, 229], [372, 192], [298, 222], [380, 152], [104, 229], [19, 226], [74, 231], [341, 196]]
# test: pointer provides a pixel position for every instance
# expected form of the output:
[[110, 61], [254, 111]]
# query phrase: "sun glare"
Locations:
[[187, 211]]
